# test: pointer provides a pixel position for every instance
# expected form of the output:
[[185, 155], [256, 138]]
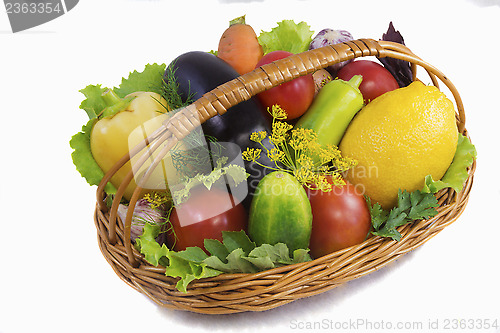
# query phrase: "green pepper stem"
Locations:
[[114, 103], [110, 97], [355, 81]]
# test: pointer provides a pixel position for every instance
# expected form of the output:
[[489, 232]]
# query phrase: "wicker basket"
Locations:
[[230, 293]]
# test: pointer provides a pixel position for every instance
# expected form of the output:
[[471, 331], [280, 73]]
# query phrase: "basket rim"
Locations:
[[114, 237]]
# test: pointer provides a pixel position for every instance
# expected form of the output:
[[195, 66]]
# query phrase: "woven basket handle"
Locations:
[[229, 94], [220, 99]]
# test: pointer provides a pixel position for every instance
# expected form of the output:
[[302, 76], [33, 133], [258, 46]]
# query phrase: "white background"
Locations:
[[53, 277]]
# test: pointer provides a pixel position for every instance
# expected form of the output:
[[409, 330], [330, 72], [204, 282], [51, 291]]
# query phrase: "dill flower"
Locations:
[[302, 138], [251, 154], [275, 155], [156, 199], [277, 112], [279, 132], [298, 152], [258, 136]]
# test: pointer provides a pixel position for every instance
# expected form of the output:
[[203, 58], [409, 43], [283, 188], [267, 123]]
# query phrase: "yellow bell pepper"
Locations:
[[111, 138]]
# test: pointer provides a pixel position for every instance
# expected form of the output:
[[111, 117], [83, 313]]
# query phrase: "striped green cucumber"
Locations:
[[280, 212]]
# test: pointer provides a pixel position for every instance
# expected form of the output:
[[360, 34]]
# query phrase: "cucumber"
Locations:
[[280, 212]]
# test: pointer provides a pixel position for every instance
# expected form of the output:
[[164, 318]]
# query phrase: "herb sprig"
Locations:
[[412, 206]]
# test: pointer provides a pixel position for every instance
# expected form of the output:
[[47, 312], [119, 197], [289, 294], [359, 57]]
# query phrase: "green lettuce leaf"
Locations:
[[234, 263], [83, 159], [233, 240], [147, 244], [188, 265], [93, 103], [238, 254], [269, 256], [287, 36], [456, 175], [235, 254], [150, 79]]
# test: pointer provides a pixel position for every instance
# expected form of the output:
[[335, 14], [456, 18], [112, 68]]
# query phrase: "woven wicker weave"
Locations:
[[230, 293]]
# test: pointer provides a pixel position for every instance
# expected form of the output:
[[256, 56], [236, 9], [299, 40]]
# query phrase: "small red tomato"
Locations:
[[204, 216], [294, 96], [376, 79], [341, 218]]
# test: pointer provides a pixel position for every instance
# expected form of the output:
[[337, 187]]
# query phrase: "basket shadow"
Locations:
[[283, 315]]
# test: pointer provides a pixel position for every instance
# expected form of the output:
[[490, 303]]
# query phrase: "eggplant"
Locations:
[[197, 73]]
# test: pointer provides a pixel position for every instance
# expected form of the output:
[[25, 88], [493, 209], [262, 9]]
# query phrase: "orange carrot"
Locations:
[[239, 46]]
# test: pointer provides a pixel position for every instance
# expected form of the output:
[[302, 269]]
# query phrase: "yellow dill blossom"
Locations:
[[304, 134], [279, 132], [304, 175], [298, 152], [251, 154], [156, 199], [275, 155], [304, 161], [322, 183], [302, 138], [258, 136], [337, 179], [277, 112], [323, 169], [345, 163]]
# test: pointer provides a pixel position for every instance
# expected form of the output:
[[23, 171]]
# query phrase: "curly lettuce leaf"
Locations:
[[238, 254], [83, 159], [233, 263], [187, 265], [287, 36], [269, 256], [93, 103], [457, 174], [150, 79], [153, 252], [235, 254]]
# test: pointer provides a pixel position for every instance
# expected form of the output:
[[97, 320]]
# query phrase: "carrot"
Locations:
[[239, 46]]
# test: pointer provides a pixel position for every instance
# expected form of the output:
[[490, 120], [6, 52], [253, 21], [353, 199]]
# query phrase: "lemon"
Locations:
[[398, 139]]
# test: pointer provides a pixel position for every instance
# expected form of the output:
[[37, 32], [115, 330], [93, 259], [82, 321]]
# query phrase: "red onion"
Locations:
[[143, 213], [330, 37]]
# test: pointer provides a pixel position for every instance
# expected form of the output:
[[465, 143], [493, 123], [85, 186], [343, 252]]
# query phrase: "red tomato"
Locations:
[[204, 215], [294, 96], [376, 79], [341, 218]]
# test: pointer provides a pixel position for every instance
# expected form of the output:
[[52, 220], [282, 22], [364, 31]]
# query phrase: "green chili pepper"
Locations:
[[333, 109]]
